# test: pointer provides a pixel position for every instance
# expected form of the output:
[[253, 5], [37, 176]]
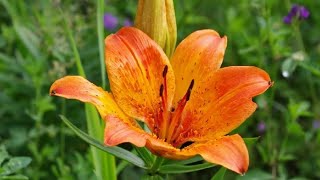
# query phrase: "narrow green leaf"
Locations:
[[121, 166], [178, 168], [100, 29], [15, 164], [220, 174], [14, 177], [255, 174], [104, 163], [185, 162], [145, 155], [116, 151], [313, 68]]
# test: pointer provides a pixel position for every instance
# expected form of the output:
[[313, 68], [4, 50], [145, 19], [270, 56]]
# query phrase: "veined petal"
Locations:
[[137, 68], [222, 103], [196, 57], [77, 87], [228, 151], [118, 131]]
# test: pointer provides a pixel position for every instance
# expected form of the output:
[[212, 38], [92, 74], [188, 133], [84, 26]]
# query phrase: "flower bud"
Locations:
[[157, 19]]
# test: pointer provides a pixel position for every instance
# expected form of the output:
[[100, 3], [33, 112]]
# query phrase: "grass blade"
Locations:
[[100, 5], [104, 163], [116, 151]]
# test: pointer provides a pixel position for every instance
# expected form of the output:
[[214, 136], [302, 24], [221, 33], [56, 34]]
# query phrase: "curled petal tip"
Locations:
[[271, 83], [242, 171]]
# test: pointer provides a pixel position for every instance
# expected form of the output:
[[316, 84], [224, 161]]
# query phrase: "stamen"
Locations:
[[161, 90], [165, 71], [176, 118], [191, 85], [163, 95], [189, 90]]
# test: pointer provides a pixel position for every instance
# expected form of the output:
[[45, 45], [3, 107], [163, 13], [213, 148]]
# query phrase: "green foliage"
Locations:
[[116, 151], [35, 50], [10, 166], [220, 174]]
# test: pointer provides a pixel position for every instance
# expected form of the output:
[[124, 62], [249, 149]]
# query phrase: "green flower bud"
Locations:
[[157, 19]]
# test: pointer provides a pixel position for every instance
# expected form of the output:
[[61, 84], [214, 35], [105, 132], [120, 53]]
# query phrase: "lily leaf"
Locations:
[[220, 174], [145, 155], [185, 162], [116, 151], [178, 168]]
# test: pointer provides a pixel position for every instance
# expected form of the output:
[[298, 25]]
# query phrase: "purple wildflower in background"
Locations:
[[298, 11], [316, 124], [127, 22], [261, 127], [110, 21]]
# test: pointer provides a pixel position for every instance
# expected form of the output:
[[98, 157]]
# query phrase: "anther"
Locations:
[[189, 90], [161, 90], [191, 85], [165, 70]]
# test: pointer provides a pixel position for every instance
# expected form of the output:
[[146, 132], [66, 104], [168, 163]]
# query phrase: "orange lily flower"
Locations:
[[189, 104]]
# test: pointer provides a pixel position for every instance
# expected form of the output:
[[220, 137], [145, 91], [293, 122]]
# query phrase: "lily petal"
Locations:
[[137, 68], [77, 87], [196, 57], [228, 151], [222, 103], [118, 131]]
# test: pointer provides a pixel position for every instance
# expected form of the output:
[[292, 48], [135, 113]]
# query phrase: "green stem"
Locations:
[[62, 134], [104, 163], [100, 7], [156, 164], [298, 36]]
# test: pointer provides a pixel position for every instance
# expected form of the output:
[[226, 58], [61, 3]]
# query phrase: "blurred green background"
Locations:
[[35, 51]]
